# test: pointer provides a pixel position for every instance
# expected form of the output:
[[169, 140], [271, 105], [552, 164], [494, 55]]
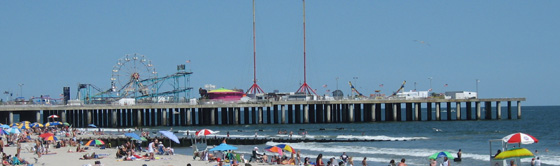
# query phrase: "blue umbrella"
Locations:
[[223, 147], [133, 136], [92, 125], [4, 126], [13, 130], [2, 132], [170, 135]]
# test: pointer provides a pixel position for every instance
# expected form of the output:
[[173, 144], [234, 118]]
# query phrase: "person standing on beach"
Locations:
[[151, 148], [38, 148]]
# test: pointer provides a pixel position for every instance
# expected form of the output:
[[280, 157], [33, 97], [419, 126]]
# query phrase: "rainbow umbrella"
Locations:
[[94, 142], [286, 147], [51, 138], [514, 153], [36, 125], [274, 149]]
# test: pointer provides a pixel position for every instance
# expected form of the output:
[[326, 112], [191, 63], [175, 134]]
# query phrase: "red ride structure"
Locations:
[[306, 89], [254, 89]]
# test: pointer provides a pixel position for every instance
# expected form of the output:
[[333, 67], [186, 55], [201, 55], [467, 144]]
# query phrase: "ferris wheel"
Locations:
[[130, 76]]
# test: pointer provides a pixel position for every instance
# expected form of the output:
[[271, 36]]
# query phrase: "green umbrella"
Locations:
[[66, 124], [141, 139], [441, 154]]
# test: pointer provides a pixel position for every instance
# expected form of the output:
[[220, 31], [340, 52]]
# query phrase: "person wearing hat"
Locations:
[[255, 155]]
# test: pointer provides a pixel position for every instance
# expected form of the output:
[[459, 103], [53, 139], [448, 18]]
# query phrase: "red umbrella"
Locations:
[[204, 132], [520, 138], [45, 135], [53, 116]]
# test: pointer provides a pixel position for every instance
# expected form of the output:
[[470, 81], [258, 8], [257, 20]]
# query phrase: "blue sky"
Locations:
[[511, 46]]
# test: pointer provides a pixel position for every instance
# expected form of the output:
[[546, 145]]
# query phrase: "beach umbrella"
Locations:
[[204, 132], [2, 132], [13, 130], [36, 124], [141, 139], [92, 125], [23, 126], [51, 138], [53, 116], [286, 147], [520, 138], [48, 124], [273, 149], [94, 142], [66, 124], [514, 153], [441, 154], [223, 147], [14, 124], [170, 135], [45, 135], [4, 126], [132, 135]]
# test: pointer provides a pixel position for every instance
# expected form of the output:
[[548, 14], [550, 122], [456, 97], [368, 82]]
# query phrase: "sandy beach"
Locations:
[[61, 157]]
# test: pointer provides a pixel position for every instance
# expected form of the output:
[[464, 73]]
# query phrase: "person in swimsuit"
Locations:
[[319, 161]]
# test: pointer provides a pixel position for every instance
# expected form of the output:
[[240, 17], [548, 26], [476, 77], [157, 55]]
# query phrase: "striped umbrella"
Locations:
[[45, 135], [52, 124], [15, 124], [94, 142], [36, 124], [51, 138], [23, 125]]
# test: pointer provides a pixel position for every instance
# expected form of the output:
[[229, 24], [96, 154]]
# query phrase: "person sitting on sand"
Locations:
[[265, 158], [79, 149]]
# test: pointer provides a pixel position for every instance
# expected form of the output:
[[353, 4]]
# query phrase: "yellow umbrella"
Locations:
[[515, 153]]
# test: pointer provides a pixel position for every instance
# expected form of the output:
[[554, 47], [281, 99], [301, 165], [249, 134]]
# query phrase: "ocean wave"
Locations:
[[380, 137]]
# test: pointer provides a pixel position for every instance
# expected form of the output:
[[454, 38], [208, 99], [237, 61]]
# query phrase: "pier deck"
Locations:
[[269, 112]]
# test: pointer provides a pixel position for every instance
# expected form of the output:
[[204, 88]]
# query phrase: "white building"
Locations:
[[413, 95], [461, 94]]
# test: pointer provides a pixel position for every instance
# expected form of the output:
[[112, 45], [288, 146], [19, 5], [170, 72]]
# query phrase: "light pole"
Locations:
[[20, 89], [430, 78], [477, 81]]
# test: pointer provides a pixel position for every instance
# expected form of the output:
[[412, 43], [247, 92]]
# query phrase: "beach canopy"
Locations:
[[514, 153], [441, 154], [520, 138], [223, 147], [170, 135], [133, 136], [94, 142]]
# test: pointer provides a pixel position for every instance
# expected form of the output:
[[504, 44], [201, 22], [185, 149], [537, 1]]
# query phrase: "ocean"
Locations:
[[414, 141]]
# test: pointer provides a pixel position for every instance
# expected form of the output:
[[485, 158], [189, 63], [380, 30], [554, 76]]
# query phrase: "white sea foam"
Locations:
[[380, 137]]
